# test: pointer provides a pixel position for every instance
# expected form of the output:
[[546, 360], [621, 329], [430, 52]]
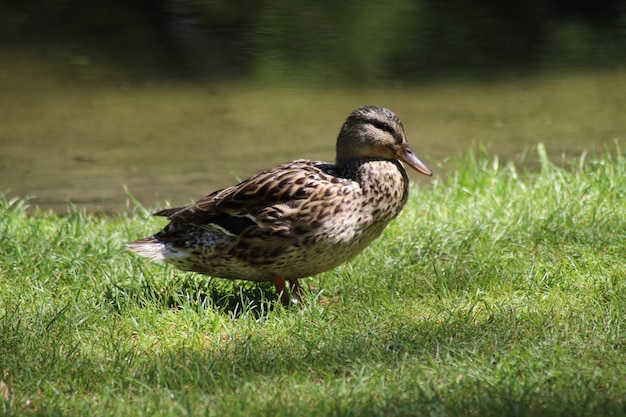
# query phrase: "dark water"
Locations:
[[84, 144]]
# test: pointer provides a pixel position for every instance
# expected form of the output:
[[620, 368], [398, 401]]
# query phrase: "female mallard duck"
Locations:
[[298, 219]]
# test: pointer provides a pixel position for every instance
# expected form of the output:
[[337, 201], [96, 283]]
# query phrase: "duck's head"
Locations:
[[376, 133]]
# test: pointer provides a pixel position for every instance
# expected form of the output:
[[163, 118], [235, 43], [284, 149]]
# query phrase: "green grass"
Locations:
[[497, 292]]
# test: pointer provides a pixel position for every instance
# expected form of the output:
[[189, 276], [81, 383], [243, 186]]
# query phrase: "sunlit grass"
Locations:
[[496, 292]]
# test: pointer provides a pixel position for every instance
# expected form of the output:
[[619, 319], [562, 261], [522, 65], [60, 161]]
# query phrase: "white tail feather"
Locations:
[[155, 250]]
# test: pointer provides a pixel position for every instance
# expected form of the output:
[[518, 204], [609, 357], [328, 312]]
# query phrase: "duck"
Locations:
[[298, 219]]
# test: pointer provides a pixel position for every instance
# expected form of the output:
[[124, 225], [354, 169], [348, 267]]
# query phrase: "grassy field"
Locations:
[[497, 292]]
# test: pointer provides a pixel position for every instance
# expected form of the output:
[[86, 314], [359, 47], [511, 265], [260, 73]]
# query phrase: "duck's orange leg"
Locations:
[[281, 289], [285, 294]]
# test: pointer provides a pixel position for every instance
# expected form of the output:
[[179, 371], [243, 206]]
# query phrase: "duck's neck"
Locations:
[[376, 176]]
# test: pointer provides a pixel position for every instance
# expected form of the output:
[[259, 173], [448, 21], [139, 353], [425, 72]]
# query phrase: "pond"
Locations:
[[66, 142]]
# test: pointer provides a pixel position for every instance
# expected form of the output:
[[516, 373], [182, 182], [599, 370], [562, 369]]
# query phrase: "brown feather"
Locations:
[[297, 219]]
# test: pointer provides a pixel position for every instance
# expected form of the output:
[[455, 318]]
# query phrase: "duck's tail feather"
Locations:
[[153, 248]]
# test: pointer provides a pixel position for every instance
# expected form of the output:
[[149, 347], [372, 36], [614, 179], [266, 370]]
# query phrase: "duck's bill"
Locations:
[[414, 162]]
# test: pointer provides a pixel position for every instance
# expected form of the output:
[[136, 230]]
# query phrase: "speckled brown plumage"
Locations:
[[300, 218]]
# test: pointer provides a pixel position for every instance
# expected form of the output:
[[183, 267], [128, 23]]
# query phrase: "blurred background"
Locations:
[[175, 98]]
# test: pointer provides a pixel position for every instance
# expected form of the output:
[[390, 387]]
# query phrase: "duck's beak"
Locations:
[[407, 155]]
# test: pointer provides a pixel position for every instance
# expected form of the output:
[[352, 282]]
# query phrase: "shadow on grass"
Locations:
[[232, 298], [193, 291]]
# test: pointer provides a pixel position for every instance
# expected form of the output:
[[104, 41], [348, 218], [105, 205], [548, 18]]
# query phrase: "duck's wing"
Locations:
[[234, 208]]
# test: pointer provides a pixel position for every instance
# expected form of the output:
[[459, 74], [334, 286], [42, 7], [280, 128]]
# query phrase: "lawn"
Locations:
[[497, 292]]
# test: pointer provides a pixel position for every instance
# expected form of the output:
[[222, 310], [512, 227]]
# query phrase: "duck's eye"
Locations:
[[382, 126]]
